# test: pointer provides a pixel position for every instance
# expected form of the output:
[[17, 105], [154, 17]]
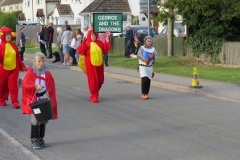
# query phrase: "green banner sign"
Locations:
[[112, 22]]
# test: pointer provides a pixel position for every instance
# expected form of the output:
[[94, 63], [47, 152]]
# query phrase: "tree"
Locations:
[[210, 23], [9, 20], [167, 14]]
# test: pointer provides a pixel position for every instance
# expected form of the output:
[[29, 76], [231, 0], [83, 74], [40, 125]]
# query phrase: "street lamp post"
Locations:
[[148, 18]]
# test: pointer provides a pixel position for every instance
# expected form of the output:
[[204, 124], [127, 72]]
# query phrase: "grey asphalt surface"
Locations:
[[221, 91], [211, 89]]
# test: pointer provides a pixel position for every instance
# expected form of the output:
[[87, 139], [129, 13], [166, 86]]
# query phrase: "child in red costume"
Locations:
[[38, 83], [10, 65], [93, 51]]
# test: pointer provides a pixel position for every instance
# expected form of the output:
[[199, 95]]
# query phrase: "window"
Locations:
[[38, 2], [16, 6], [28, 3], [66, 22], [124, 17]]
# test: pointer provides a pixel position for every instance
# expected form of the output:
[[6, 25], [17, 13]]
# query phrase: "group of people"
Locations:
[[45, 39], [39, 83]]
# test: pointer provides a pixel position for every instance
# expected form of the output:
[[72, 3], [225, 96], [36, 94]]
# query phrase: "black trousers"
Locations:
[[145, 85], [128, 47], [106, 59], [22, 50], [72, 54], [43, 48]]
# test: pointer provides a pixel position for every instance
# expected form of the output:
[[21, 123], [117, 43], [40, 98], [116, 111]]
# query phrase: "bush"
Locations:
[[8, 20]]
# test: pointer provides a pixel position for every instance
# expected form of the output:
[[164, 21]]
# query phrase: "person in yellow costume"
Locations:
[[10, 65], [93, 51]]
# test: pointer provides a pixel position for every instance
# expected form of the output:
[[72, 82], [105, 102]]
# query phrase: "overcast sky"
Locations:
[[134, 5]]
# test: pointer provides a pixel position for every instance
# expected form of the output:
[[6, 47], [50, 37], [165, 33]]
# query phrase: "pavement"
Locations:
[[211, 89]]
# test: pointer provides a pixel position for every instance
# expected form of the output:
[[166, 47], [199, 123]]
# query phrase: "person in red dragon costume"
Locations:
[[93, 51], [38, 84], [10, 65]]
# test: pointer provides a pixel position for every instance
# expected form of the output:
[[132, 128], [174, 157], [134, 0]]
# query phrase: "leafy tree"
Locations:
[[16, 13], [9, 20], [210, 23], [167, 14]]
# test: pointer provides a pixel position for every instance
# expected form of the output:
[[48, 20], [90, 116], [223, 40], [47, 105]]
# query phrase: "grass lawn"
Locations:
[[36, 49], [182, 66]]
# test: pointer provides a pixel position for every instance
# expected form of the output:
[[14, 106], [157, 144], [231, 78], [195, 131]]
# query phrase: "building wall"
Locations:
[[63, 19], [12, 8]]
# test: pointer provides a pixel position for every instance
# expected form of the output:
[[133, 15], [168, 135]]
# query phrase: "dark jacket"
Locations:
[[41, 34], [48, 36], [129, 34]]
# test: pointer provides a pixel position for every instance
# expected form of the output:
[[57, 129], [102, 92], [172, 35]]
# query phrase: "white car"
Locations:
[[179, 30]]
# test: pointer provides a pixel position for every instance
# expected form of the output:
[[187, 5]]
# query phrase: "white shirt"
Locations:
[[73, 43]]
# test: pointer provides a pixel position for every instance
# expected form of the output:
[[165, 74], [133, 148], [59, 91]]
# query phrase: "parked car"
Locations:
[[141, 32], [178, 31], [28, 23]]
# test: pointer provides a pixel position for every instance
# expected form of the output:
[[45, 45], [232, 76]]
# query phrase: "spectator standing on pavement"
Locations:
[[135, 49], [102, 37], [65, 44], [73, 47], [80, 36], [42, 43], [93, 51], [147, 55], [59, 37], [85, 29], [38, 84], [48, 37], [129, 40], [22, 41], [87, 36]]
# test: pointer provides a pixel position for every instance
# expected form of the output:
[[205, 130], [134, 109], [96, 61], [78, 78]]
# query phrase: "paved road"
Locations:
[[169, 126]]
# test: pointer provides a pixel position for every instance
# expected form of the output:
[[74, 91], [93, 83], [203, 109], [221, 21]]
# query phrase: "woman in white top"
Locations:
[[79, 35], [73, 47]]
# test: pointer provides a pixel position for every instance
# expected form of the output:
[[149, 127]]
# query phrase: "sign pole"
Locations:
[[148, 18]]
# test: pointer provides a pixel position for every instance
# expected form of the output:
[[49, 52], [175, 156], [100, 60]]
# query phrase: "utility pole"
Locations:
[[32, 12], [149, 18]]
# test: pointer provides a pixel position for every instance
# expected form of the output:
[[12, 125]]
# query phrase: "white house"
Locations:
[[70, 11], [38, 10], [109, 6]]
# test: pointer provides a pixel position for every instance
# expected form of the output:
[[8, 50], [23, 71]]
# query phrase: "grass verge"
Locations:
[[182, 66]]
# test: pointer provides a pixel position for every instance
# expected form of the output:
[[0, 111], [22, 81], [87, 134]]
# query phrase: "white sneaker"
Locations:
[[67, 64], [64, 64]]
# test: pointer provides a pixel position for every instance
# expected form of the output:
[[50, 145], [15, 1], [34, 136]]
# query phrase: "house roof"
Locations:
[[1, 2], [107, 6], [64, 9], [11, 2]]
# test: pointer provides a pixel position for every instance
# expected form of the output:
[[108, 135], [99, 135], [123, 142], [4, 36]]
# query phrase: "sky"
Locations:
[[134, 5]]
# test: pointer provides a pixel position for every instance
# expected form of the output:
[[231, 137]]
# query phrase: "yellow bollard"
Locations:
[[195, 81]]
